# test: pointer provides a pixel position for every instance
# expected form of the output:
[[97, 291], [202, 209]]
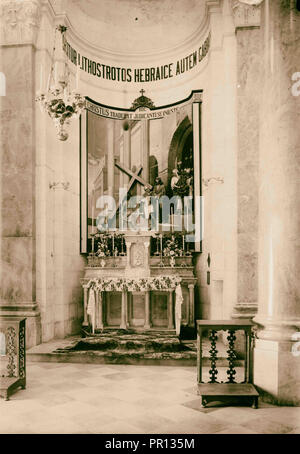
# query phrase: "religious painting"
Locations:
[[129, 158]]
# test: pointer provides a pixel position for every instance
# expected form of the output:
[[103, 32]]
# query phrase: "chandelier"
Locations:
[[58, 100]]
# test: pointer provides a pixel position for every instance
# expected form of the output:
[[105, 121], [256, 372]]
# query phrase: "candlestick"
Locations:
[[157, 246], [161, 245], [113, 243], [93, 243], [183, 244], [172, 220]]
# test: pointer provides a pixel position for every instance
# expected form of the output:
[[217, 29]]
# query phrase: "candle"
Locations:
[[172, 219], [161, 246], [183, 244]]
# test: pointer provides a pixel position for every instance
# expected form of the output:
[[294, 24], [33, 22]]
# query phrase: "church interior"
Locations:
[[150, 220]]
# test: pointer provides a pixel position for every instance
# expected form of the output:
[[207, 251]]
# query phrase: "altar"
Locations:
[[140, 217], [138, 290]]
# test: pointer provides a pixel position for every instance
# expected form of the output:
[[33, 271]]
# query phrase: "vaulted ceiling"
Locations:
[[134, 26]]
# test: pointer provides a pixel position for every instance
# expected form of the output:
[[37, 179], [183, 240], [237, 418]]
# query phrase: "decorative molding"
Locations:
[[142, 101], [251, 2], [197, 97], [245, 310], [20, 20], [137, 255], [246, 13]]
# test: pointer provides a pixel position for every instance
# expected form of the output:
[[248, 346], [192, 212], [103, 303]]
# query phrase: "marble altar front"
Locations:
[[138, 291]]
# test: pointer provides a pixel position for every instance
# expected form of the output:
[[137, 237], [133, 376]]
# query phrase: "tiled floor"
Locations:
[[85, 398]]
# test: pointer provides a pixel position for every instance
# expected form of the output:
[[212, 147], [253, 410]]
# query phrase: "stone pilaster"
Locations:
[[246, 16], [18, 28]]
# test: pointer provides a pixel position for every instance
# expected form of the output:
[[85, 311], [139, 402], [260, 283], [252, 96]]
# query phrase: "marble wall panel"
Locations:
[[17, 176], [248, 70]]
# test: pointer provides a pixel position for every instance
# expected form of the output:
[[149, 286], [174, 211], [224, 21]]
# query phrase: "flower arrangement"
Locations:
[[172, 249], [102, 246], [118, 284], [110, 244]]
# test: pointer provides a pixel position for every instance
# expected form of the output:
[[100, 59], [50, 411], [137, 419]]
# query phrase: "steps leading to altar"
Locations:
[[120, 347]]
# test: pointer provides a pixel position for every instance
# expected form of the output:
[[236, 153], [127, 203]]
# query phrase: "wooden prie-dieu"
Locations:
[[215, 391], [12, 355]]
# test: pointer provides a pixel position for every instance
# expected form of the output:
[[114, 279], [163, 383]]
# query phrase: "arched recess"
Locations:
[[182, 136]]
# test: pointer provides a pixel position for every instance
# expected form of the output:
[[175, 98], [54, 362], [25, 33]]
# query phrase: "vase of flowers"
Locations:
[[102, 247], [171, 250]]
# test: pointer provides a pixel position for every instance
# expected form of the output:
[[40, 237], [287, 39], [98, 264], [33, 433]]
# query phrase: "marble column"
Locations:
[[247, 30], [85, 304], [191, 311], [100, 310], [276, 367], [147, 310], [110, 157], [19, 23], [123, 324], [170, 311]]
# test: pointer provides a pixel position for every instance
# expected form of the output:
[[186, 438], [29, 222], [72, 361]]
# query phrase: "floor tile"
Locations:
[[266, 426], [114, 399]]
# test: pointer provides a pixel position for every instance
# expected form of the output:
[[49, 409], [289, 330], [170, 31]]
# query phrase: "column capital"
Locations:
[[197, 97], [246, 13], [20, 20]]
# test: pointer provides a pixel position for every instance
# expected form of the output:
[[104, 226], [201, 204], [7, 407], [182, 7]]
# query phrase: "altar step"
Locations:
[[117, 347]]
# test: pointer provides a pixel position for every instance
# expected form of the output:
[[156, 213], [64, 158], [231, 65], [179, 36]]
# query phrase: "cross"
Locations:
[[142, 92], [135, 177]]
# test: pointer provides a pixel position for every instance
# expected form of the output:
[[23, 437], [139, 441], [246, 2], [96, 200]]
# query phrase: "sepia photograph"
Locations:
[[150, 220]]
